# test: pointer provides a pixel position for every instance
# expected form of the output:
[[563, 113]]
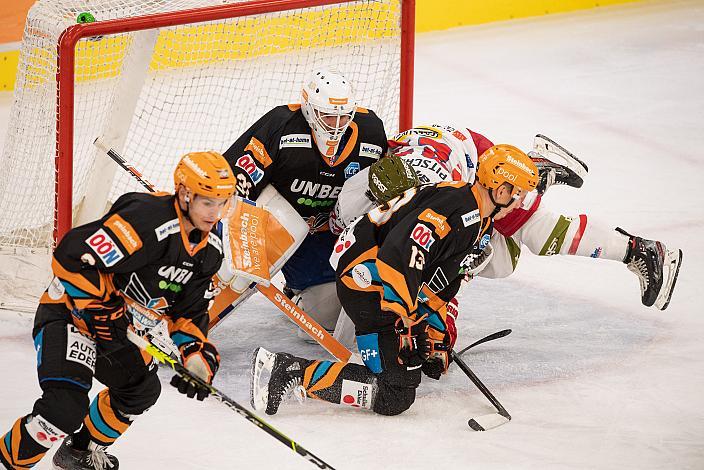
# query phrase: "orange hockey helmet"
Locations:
[[507, 164], [205, 173]]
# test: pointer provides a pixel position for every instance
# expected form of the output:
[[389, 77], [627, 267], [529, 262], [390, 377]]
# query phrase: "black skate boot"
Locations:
[[285, 378], [570, 172], [656, 268], [68, 458]]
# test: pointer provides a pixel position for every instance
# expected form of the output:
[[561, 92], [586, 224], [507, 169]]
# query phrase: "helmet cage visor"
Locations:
[[332, 123]]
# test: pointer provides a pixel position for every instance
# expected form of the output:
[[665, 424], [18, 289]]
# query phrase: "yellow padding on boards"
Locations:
[[431, 15], [435, 15], [8, 69]]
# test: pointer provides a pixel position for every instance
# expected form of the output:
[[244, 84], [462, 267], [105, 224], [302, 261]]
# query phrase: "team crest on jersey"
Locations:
[[351, 170], [369, 150], [136, 290], [423, 236], [166, 229], [295, 140], [104, 246], [471, 218], [246, 163]]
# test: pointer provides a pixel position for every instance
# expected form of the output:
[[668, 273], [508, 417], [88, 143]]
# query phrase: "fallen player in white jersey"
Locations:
[[444, 153]]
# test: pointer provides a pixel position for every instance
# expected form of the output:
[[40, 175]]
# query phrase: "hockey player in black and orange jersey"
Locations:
[[306, 152], [158, 250], [398, 267]]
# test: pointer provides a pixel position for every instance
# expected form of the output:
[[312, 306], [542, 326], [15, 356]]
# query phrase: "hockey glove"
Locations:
[[442, 343], [106, 324], [413, 342], [202, 359]]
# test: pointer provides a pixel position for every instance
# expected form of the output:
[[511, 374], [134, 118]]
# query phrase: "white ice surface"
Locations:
[[592, 379]]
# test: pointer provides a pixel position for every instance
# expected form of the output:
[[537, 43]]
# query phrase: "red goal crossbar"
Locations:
[[63, 206]]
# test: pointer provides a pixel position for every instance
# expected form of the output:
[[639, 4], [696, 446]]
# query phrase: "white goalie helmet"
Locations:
[[328, 104]]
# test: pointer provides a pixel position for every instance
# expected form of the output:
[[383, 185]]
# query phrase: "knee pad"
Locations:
[[138, 396], [64, 407], [392, 400]]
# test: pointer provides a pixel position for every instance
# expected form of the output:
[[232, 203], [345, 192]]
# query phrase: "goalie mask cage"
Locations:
[[158, 79]]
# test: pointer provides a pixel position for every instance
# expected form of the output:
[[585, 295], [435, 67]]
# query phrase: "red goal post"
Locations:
[[158, 79]]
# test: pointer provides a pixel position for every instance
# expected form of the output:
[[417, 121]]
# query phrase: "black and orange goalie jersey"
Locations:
[[139, 248], [411, 252], [279, 150]]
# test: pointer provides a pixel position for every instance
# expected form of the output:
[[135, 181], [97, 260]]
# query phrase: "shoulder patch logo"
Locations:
[[423, 236], [258, 151], [295, 140], [246, 163], [369, 150], [125, 233], [471, 218], [166, 229], [105, 247], [442, 228]]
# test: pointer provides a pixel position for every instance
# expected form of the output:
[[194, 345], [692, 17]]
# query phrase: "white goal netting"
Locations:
[[157, 94]]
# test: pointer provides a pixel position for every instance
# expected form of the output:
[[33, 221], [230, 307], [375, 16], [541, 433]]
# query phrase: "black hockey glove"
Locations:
[[203, 360], [107, 324], [441, 343], [413, 342]]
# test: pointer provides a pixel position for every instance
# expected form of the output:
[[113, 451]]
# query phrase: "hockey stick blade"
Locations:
[[163, 358], [482, 423], [489, 421], [491, 337]]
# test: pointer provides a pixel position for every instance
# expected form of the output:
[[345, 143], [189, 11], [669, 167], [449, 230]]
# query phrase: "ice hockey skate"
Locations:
[[571, 171], [68, 458], [285, 374], [656, 267]]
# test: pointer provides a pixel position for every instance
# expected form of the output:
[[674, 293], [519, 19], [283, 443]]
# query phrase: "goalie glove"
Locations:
[[202, 359]]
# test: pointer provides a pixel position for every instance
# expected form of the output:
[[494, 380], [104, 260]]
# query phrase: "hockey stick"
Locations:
[[163, 358], [271, 292], [488, 421], [491, 337]]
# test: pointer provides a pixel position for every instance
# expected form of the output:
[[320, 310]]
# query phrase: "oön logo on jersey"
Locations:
[[105, 247]]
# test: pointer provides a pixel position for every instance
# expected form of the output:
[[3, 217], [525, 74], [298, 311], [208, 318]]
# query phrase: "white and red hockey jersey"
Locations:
[[436, 153]]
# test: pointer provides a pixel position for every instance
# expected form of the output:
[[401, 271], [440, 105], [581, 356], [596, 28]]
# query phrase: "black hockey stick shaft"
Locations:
[[480, 385], [491, 337], [117, 158], [164, 358]]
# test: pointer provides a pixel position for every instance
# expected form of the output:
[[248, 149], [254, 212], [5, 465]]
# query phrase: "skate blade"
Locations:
[[549, 148], [673, 261], [262, 360]]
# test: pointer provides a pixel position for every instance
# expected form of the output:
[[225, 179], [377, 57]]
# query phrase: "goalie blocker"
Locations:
[[258, 239]]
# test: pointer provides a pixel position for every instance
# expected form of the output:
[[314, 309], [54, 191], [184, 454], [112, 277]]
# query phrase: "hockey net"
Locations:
[[157, 79]]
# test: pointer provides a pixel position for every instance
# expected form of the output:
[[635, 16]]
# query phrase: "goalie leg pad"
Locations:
[[321, 304]]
